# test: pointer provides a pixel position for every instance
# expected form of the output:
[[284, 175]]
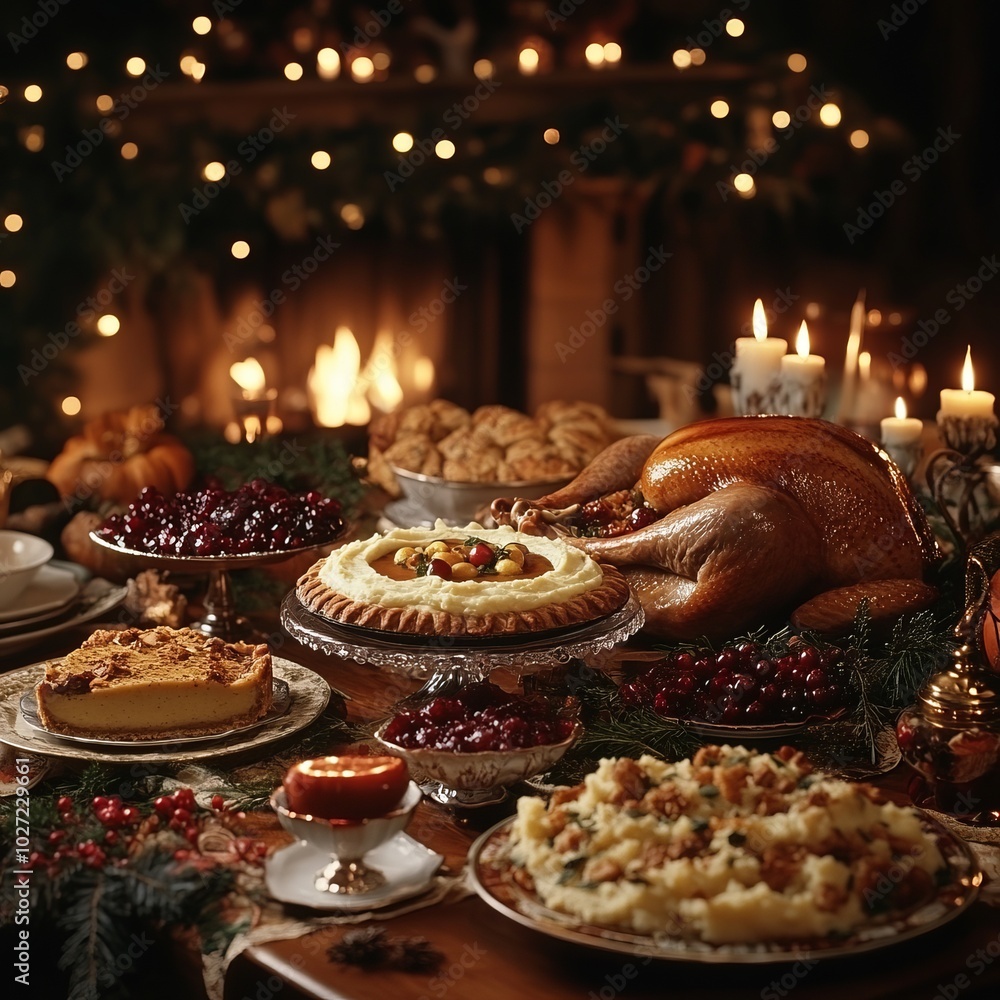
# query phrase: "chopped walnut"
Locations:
[[523, 879], [602, 870], [779, 865], [731, 781], [794, 757], [569, 839], [818, 797], [563, 795], [830, 897], [707, 756], [631, 780], [557, 821], [665, 800]]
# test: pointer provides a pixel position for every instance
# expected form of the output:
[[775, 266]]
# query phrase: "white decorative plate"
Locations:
[[309, 692], [407, 865]]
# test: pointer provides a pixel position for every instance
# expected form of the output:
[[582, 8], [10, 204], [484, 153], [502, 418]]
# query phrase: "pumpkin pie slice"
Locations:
[[156, 683]]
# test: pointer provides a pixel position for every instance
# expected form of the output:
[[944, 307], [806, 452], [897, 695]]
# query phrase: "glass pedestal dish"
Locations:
[[440, 660], [220, 617]]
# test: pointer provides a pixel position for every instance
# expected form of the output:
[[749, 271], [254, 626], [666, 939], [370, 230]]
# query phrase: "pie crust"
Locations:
[[419, 609]]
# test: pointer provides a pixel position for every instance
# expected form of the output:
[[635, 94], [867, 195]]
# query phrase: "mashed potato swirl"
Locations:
[[348, 571], [731, 846]]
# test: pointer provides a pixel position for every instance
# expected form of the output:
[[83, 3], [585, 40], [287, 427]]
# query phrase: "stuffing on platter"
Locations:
[[731, 846]]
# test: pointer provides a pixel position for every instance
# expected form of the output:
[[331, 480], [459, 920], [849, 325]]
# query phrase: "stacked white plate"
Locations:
[[61, 595]]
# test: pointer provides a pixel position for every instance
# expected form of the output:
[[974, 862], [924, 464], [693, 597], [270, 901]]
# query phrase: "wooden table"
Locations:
[[489, 957]]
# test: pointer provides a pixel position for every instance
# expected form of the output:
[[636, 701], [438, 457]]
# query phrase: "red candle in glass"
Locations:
[[346, 787]]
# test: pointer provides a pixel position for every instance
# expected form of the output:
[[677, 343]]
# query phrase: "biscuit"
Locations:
[[448, 417], [415, 453], [380, 473]]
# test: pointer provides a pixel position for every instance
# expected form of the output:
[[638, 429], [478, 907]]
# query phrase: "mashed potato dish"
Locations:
[[731, 846]]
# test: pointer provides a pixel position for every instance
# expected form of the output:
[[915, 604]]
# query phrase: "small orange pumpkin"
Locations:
[[119, 453]]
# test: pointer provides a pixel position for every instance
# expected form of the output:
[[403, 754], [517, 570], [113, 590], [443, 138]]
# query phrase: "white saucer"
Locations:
[[407, 865], [53, 587]]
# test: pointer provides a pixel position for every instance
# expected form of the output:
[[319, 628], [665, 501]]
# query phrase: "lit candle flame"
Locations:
[[968, 375], [759, 321], [865, 365], [900, 408], [248, 375], [802, 341]]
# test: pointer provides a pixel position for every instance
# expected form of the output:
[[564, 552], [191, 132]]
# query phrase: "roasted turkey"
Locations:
[[758, 517]]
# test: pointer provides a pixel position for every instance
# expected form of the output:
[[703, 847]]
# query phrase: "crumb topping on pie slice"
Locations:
[[151, 683]]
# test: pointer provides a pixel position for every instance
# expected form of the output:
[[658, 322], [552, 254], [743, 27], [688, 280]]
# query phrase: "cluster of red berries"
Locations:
[[258, 517], [479, 717], [104, 833], [743, 685]]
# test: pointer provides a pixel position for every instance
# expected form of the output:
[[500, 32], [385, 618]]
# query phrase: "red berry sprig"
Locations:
[[107, 830]]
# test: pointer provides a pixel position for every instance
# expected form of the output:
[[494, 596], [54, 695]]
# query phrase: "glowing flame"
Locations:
[[802, 341], [759, 321], [865, 365], [900, 408], [423, 374], [968, 375], [248, 375], [385, 392], [334, 384]]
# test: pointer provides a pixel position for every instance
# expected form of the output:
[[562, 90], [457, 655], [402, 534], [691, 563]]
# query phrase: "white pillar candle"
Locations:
[[756, 366], [967, 401], [803, 378], [901, 431]]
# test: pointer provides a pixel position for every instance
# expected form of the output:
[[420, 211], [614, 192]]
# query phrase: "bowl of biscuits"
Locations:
[[439, 460]]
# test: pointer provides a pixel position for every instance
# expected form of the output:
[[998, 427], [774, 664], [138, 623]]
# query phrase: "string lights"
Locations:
[[533, 57]]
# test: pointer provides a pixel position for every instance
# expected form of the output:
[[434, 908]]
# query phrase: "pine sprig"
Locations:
[[100, 909], [93, 937], [317, 462]]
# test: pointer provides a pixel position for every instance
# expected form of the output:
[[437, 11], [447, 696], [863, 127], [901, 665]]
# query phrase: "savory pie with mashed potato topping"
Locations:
[[470, 581]]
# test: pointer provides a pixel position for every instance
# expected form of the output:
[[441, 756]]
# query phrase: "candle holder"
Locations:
[[253, 407], [955, 482], [968, 434], [752, 397], [802, 398], [961, 476], [906, 456]]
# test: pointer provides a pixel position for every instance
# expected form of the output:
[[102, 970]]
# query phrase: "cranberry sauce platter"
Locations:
[[213, 531]]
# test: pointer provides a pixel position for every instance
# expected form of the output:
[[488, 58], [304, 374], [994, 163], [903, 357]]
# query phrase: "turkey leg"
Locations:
[[618, 467]]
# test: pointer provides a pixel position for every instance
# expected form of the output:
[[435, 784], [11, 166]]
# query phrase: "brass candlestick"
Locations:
[[960, 471]]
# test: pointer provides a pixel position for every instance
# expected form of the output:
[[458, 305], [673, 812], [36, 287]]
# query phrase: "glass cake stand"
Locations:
[[221, 617], [439, 659]]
